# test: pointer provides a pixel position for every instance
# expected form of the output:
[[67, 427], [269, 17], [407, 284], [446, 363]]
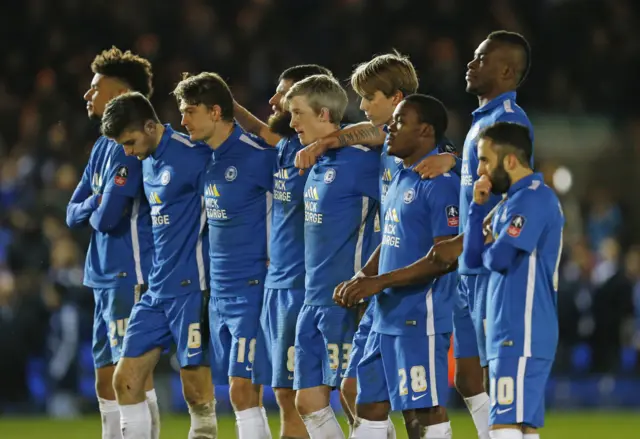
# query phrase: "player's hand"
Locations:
[[337, 293], [446, 252], [482, 190], [308, 156], [358, 289], [435, 165]]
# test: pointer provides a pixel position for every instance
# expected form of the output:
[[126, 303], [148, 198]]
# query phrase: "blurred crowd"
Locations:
[[586, 60]]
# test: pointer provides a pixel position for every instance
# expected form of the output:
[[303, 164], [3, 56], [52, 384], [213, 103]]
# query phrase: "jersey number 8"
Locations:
[[418, 380]]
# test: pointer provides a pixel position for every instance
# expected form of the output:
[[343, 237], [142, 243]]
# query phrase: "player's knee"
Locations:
[[104, 383], [121, 383], [286, 399], [372, 412], [349, 389], [243, 393], [467, 384]]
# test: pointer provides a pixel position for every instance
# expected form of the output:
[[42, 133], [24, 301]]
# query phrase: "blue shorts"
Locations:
[[275, 343], [160, 322], [469, 316], [110, 320], [517, 390], [409, 372], [234, 326], [359, 341], [323, 345]]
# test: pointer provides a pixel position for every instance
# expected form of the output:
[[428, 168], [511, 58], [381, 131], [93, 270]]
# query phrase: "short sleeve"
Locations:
[[124, 176], [367, 178], [443, 200], [264, 164]]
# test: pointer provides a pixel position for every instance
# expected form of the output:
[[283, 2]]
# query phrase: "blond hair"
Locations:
[[388, 73], [321, 91]]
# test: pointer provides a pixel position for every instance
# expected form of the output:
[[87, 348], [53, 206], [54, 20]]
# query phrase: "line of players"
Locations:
[[271, 314]]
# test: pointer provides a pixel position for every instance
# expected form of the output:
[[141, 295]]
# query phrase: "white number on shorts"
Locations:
[[334, 355], [242, 347], [418, 380], [119, 327], [403, 382], [504, 391], [291, 358], [346, 355], [195, 339]]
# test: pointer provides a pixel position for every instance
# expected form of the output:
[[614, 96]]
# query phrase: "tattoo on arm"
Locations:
[[361, 135]]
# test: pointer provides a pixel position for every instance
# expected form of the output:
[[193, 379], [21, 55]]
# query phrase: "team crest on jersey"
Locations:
[[409, 196], [165, 177], [453, 216], [515, 228], [122, 173], [330, 175], [231, 173]]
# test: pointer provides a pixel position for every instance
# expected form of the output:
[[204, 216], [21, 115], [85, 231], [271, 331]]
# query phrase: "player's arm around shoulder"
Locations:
[[363, 133]]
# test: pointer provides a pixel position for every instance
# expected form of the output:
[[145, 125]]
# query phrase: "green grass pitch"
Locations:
[[578, 425]]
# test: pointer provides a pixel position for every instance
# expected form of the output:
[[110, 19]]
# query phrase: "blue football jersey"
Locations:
[[501, 109], [341, 222], [238, 194], [286, 249], [173, 177], [416, 211], [522, 319], [122, 256]]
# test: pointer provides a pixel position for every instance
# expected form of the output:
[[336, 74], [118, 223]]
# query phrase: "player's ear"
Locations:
[[397, 97], [215, 112], [426, 130], [149, 127], [325, 114]]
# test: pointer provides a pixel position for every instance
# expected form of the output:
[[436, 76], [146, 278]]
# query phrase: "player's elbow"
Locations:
[[72, 220], [496, 263], [472, 260]]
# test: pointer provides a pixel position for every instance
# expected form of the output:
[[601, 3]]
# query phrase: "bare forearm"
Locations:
[[252, 124], [371, 267], [420, 272], [361, 133]]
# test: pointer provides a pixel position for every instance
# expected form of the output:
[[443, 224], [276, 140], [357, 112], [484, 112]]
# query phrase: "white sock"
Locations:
[[531, 436], [110, 415], [204, 424], [506, 433], [154, 410], [391, 430], [479, 408], [267, 429], [438, 431], [323, 424], [135, 421], [250, 423], [366, 429]]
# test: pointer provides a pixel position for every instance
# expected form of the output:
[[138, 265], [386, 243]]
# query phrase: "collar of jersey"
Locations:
[[412, 167], [168, 131], [495, 102], [226, 145], [524, 182]]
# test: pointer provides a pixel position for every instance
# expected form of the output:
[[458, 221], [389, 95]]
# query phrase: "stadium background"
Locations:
[[581, 96]]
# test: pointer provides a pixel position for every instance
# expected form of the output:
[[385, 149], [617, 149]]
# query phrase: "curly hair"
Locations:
[[128, 67]]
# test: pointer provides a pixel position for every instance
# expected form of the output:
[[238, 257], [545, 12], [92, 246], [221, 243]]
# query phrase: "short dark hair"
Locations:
[[515, 39], [432, 111], [298, 73], [129, 68], [513, 137], [208, 89], [129, 111]]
